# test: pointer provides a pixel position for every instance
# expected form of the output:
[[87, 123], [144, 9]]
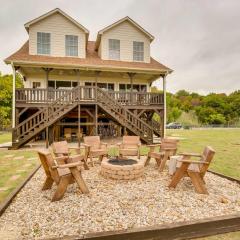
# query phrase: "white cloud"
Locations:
[[198, 39]]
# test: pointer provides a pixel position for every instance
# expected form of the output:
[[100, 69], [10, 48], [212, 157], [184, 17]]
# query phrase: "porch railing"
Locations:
[[86, 93]]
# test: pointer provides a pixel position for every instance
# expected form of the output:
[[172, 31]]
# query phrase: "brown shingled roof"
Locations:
[[92, 60]]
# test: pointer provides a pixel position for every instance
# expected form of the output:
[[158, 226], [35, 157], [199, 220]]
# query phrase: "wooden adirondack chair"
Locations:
[[63, 171], [130, 146], [62, 149], [68, 134], [196, 170], [94, 148], [167, 148]]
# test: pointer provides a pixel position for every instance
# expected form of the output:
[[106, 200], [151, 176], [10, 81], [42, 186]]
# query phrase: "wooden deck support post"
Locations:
[[96, 106], [14, 69], [79, 129], [47, 71], [47, 138], [96, 119], [13, 97], [164, 106]]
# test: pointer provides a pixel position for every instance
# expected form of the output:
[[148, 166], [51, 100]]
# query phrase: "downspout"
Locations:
[[165, 105]]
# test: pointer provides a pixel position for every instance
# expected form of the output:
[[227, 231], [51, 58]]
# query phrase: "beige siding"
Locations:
[[58, 26], [116, 80], [126, 33]]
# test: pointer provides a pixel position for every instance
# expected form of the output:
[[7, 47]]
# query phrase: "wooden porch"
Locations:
[[40, 110]]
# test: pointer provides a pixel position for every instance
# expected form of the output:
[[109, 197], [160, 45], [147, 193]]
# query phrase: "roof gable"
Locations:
[[56, 10], [128, 19]]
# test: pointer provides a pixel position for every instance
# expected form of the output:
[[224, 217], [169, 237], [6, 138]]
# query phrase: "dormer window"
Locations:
[[114, 49], [138, 51], [71, 45], [43, 43]]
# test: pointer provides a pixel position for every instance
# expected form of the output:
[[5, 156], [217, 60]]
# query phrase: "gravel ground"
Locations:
[[114, 205]]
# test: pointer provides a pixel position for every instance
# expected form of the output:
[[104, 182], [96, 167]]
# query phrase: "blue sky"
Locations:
[[198, 39]]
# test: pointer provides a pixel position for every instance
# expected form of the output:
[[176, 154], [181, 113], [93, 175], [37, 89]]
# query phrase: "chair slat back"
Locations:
[[207, 156], [131, 141], [169, 143], [93, 141], [60, 148], [47, 163]]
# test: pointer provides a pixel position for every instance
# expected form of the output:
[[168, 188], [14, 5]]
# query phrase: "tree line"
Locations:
[[211, 109]]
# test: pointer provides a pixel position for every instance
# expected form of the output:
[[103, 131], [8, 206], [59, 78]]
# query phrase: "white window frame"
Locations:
[[66, 80], [43, 43], [114, 49], [36, 84], [71, 45], [138, 51]]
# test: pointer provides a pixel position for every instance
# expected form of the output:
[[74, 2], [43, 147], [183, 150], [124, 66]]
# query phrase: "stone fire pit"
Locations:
[[122, 169]]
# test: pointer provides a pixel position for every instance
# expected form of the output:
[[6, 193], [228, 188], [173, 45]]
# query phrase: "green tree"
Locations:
[[217, 118], [6, 98]]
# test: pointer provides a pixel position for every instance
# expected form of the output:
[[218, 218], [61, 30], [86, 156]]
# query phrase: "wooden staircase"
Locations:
[[38, 122], [156, 126], [125, 117]]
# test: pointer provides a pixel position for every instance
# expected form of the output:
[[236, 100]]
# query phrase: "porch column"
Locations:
[[131, 75], [78, 76], [13, 97], [97, 73], [47, 71], [164, 105]]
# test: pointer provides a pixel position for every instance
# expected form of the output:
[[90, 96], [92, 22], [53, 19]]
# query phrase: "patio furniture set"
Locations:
[[63, 168]]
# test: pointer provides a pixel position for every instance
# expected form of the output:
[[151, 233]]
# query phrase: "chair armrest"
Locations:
[[190, 154], [103, 144], [169, 149], [159, 153], [76, 156], [61, 158], [154, 145], [85, 145], [67, 165], [74, 148], [192, 162]]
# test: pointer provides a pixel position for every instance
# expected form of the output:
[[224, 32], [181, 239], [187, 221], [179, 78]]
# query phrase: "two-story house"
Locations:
[[75, 87]]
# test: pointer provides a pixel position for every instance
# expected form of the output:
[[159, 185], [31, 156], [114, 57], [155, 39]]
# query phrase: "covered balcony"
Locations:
[[46, 85]]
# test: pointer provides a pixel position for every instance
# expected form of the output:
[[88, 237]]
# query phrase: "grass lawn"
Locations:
[[14, 171], [226, 143], [5, 137], [227, 236]]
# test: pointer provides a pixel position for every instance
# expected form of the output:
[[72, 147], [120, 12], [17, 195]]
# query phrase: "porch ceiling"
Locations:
[[30, 70]]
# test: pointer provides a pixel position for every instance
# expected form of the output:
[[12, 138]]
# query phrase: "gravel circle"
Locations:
[[114, 205]]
